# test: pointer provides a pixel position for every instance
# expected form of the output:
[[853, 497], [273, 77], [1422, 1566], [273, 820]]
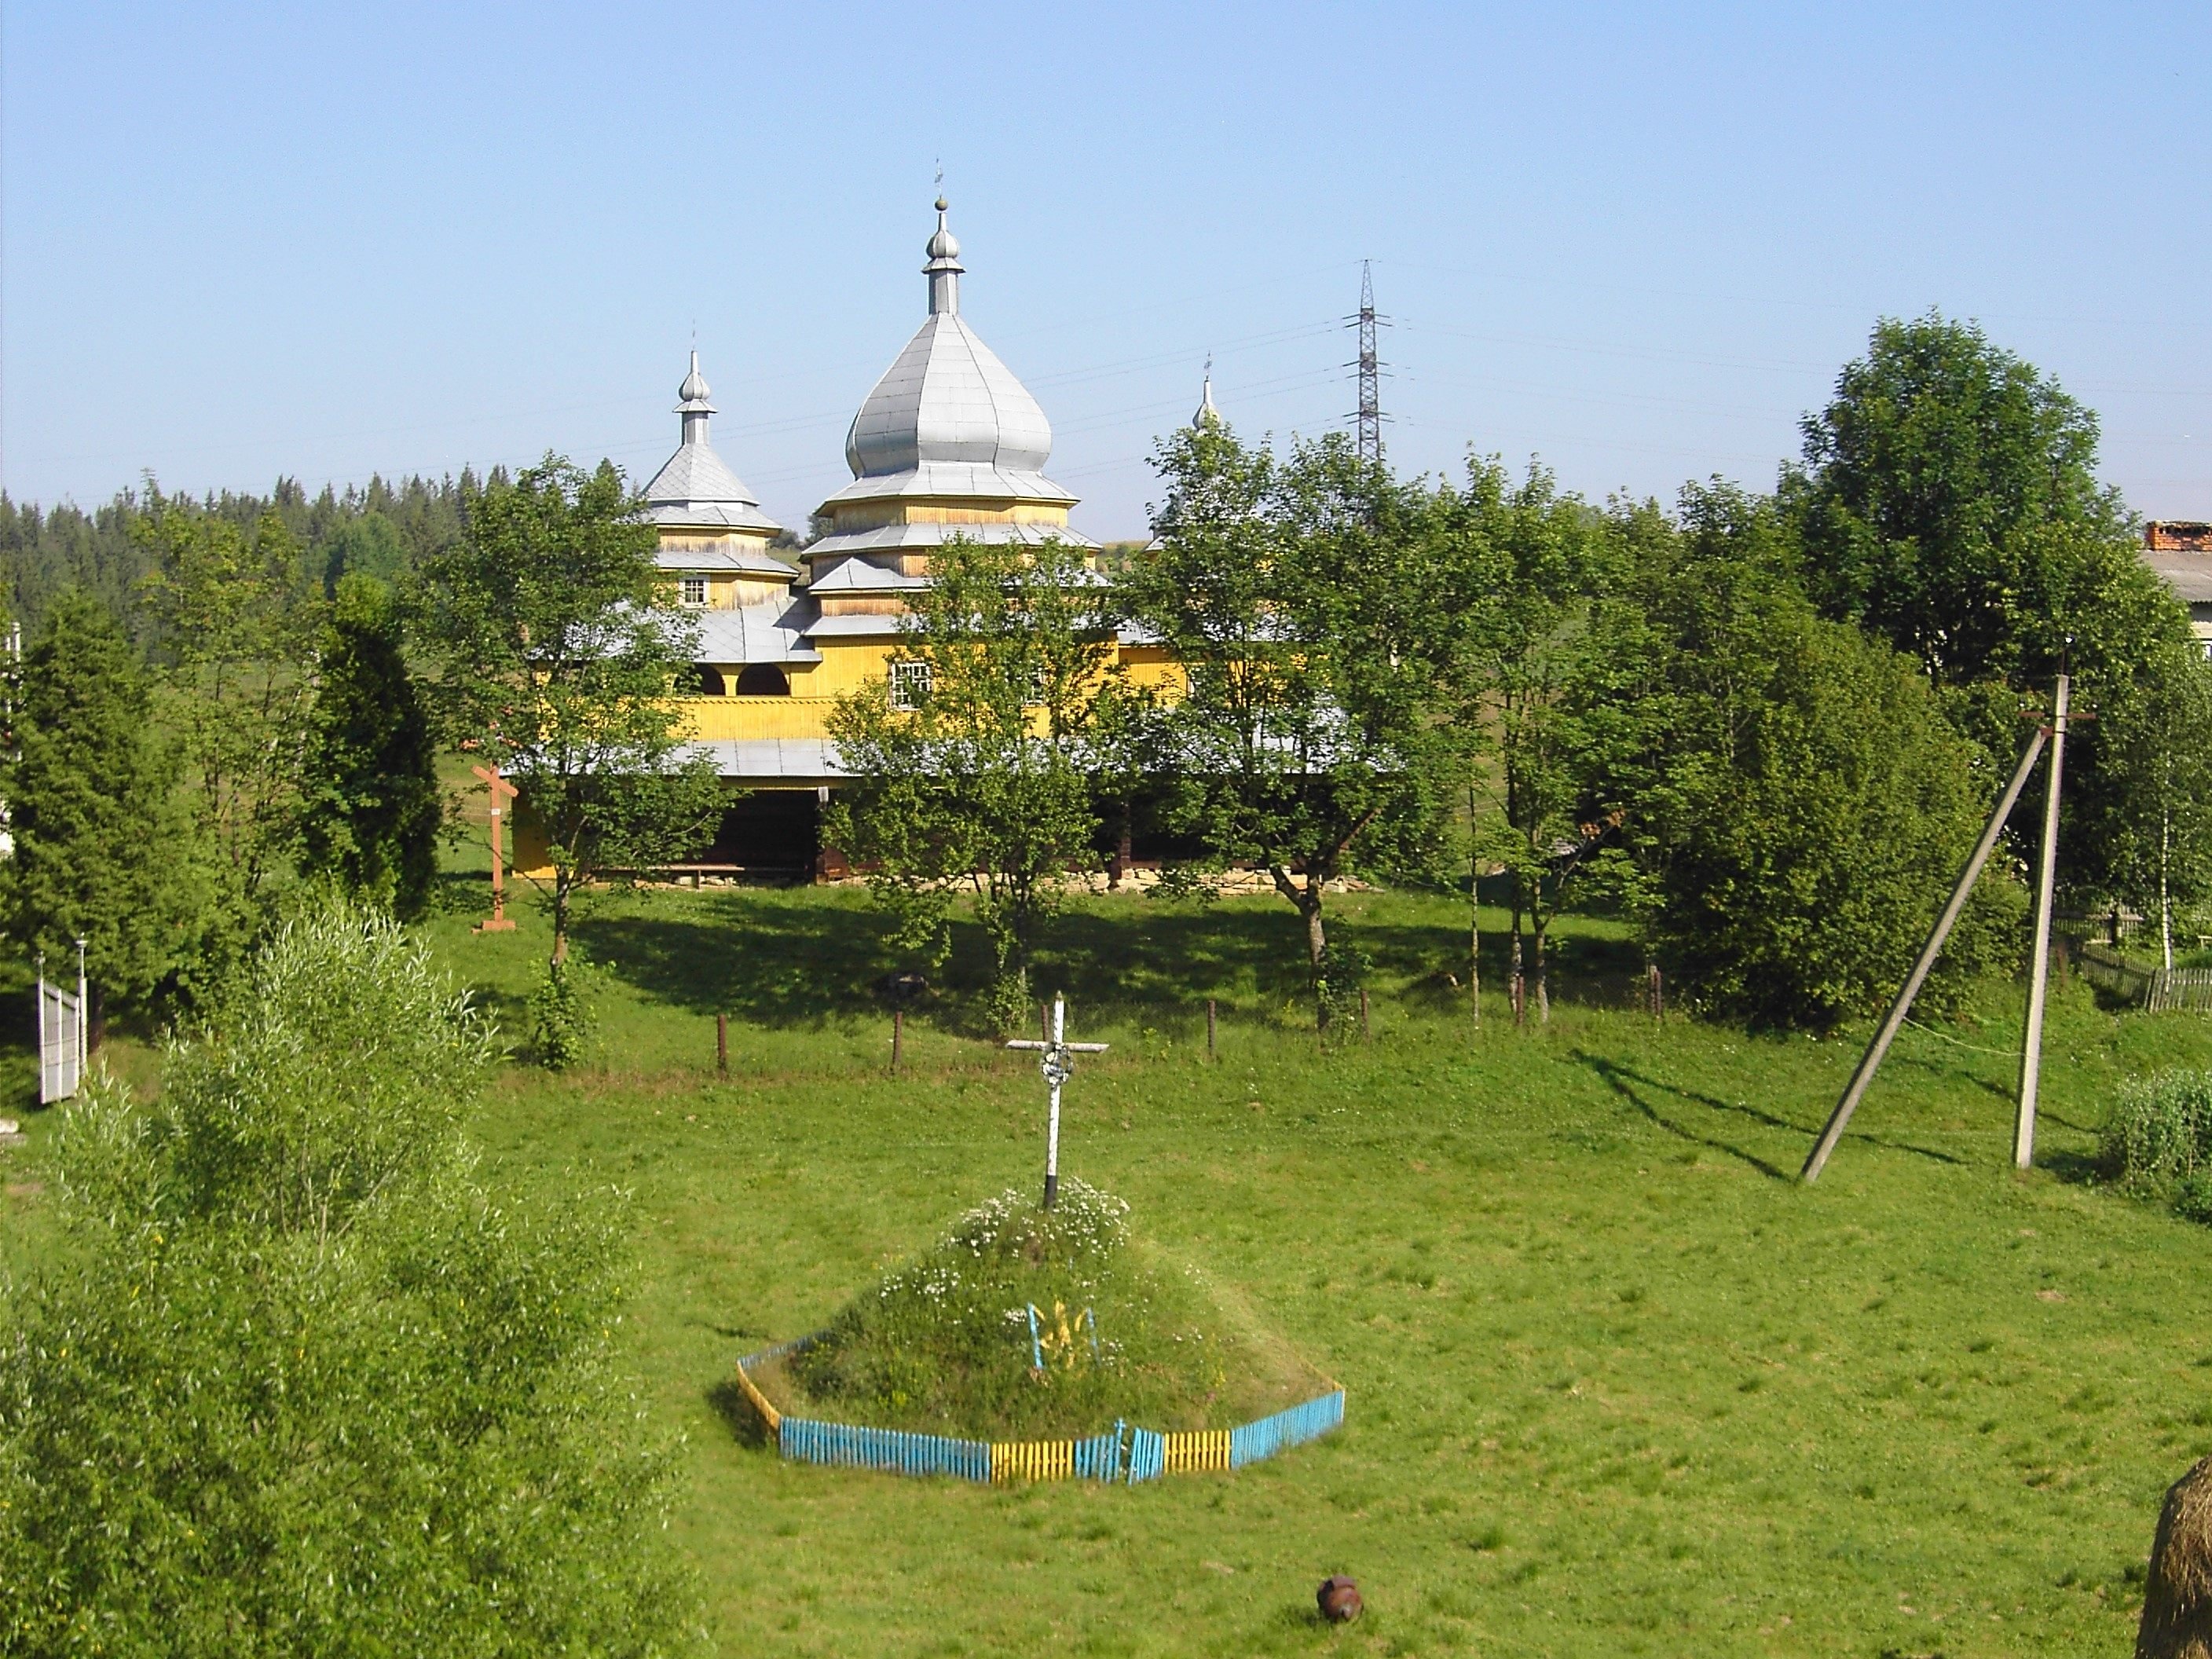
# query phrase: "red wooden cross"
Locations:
[[501, 789]]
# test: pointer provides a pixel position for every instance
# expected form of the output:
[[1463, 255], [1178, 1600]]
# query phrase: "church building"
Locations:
[[948, 444]]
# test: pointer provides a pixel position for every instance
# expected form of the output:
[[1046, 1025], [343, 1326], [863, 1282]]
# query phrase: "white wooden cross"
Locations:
[[1057, 1061]]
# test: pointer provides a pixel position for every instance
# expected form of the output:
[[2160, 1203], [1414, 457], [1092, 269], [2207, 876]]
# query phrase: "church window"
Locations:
[[710, 681], [761, 680], [910, 683], [694, 589]]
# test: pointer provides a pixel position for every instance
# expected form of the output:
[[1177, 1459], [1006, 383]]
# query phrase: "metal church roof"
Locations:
[[694, 487], [711, 558], [898, 537], [757, 633], [791, 760]]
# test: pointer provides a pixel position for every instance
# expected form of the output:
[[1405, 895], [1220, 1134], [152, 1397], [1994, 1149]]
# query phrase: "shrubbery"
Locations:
[[296, 1381], [2158, 1136]]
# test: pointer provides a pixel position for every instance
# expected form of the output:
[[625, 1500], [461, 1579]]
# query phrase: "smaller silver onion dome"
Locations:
[[693, 392], [944, 245]]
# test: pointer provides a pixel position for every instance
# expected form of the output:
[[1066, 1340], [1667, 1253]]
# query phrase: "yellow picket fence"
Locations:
[[760, 1402], [1033, 1460], [1199, 1449]]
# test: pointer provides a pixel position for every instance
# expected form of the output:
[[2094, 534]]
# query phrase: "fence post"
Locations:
[[721, 1045], [1366, 1024], [1209, 1029], [898, 1036]]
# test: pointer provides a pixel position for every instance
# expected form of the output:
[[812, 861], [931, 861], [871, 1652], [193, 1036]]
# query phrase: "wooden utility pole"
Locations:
[[501, 790], [2039, 967], [1892, 1022]]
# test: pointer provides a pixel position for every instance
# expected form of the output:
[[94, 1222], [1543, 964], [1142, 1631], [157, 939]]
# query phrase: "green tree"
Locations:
[[235, 673], [1523, 568], [560, 653], [101, 852], [371, 811], [974, 764], [1302, 745], [1792, 805], [296, 1383], [2156, 735], [1948, 503]]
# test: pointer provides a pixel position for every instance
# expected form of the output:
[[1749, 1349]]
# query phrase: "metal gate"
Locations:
[[61, 1035]]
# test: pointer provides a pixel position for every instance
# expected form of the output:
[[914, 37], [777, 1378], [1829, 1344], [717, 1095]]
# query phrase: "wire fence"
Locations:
[[1124, 1454]]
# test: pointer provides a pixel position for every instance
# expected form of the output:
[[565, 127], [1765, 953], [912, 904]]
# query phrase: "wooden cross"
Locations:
[[1058, 1064], [501, 789]]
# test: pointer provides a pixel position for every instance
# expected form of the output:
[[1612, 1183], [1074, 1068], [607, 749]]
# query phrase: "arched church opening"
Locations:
[[762, 680], [710, 681]]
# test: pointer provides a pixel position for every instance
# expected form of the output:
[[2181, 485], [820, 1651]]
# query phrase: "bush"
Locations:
[[2158, 1136], [563, 1020], [294, 1383], [1815, 848]]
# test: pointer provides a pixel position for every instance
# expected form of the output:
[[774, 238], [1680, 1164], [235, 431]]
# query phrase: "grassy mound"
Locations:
[[944, 1344]]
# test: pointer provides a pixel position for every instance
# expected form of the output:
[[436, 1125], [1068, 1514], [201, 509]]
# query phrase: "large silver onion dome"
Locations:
[[948, 415], [948, 397]]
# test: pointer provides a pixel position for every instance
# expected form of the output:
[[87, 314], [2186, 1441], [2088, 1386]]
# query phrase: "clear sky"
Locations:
[[239, 241]]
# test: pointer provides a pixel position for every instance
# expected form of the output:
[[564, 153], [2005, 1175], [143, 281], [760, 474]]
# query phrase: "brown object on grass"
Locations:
[[2177, 1615], [1339, 1599]]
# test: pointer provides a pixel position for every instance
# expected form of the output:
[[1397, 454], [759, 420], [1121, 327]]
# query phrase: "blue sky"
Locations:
[[237, 241]]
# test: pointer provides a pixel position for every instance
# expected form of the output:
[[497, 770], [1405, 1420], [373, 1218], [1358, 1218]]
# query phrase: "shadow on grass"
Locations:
[[727, 1402], [1624, 1083], [1619, 1078], [780, 964], [2079, 1169], [801, 960]]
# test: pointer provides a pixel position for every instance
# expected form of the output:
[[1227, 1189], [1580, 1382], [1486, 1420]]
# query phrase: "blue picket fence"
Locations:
[[776, 1351], [804, 1441], [1099, 1458], [1286, 1429], [1148, 1456]]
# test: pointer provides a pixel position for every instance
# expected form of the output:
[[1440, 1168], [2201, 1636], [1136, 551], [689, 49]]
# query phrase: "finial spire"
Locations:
[[1208, 414], [944, 268], [694, 407]]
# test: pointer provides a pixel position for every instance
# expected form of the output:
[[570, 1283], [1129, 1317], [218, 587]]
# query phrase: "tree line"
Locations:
[[382, 530], [1765, 728]]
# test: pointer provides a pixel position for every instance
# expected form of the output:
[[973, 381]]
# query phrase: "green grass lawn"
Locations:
[[1617, 1384]]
